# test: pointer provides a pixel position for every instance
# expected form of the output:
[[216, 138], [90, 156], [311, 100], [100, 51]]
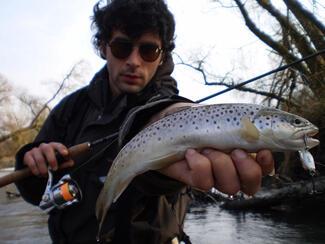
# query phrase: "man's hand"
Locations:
[[228, 173], [40, 158]]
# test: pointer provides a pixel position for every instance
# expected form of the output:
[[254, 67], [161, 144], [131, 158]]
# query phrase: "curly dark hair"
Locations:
[[133, 17]]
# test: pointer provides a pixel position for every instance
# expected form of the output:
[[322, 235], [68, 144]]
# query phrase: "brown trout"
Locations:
[[222, 126]]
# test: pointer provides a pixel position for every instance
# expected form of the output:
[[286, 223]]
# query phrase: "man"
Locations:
[[135, 37]]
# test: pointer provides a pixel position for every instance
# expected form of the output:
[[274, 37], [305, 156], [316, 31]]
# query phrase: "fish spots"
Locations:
[[204, 121]]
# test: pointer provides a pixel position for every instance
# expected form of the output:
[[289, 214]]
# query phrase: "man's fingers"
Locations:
[[179, 171], [63, 150], [30, 163], [195, 171], [229, 173], [224, 171], [266, 161], [40, 161], [52, 157], [40, 158], [200, 170], [249, 171], [48, 151]]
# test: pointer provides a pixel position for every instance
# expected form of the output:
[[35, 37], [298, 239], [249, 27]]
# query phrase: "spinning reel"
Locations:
[[65, 193]]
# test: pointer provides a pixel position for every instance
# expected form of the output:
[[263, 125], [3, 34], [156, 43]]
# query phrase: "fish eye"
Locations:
[[297, 122]]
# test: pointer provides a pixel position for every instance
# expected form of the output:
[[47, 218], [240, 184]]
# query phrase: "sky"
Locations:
[[41, 40]]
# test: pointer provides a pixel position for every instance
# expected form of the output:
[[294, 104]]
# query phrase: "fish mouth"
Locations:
[[305, 137]]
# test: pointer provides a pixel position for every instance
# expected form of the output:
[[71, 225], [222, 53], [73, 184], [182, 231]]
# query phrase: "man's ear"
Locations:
[[162, 58], [102, 51]]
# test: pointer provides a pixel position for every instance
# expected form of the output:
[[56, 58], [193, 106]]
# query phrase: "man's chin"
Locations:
[[132, 89]]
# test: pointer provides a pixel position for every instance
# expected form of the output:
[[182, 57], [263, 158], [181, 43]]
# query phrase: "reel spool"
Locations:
[[65, 193]]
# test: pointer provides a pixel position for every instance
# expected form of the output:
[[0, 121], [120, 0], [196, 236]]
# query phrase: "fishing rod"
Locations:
[[262, 76], [76, 151]]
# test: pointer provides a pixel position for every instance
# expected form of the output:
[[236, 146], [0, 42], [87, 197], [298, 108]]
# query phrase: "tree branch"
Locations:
[[33, 123], [45, 106], [280, 49], [300, 41], [303, 15]]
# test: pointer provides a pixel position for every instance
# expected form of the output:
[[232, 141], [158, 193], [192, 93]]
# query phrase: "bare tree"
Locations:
[[38, 109], [300, 33], [23, 114], [5, 90]]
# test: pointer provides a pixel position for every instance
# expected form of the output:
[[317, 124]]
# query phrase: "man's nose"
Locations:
[[134, 59]]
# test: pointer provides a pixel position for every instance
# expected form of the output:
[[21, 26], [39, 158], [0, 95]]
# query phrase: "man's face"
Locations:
[[132, 73]]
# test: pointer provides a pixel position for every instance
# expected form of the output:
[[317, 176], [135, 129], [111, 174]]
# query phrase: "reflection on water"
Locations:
[[25, 224], [210, 225], [21, 222]]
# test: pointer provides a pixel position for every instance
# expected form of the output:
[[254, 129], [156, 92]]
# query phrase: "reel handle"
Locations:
[[74, 152]]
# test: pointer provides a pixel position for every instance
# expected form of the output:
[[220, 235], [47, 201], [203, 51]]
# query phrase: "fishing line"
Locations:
[[321, 164], [98, 154], [261, 76]]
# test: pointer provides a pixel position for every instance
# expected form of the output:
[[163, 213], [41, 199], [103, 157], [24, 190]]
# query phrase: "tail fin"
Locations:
[[109, 194]]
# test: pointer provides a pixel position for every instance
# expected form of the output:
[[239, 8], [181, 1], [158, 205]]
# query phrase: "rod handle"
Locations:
[[74, 152]]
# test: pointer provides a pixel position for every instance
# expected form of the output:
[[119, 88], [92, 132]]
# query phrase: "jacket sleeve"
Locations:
[[151, 182], [53, 130]]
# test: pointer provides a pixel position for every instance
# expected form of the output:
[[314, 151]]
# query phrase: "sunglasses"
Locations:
[[122, 49]]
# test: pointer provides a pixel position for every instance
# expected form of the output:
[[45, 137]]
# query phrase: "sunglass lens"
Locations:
[[121, 49], [149, 52]]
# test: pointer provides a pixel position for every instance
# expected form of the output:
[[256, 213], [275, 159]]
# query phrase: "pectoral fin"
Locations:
[[249, 132]]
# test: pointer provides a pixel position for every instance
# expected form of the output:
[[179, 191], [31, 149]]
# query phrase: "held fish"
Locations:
[[220, 126]]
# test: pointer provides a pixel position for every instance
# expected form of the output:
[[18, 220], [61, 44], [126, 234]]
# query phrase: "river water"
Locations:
[[24, 224]]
